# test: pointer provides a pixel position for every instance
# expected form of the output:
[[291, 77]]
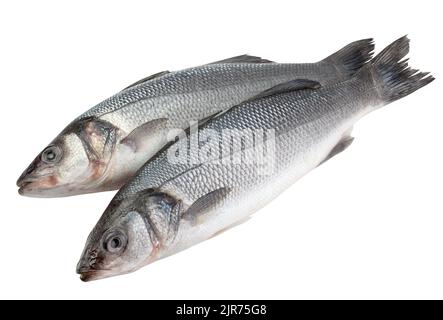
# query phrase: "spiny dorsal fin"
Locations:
[[210, 117], [156, 75], [205, 204], [243, 59], [293, 85]]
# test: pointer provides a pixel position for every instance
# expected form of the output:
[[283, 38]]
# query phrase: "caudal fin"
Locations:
[[352, 57], [395, 79]]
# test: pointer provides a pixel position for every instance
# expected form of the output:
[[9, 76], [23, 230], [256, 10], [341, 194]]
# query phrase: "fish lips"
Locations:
[[86, 272], [26, 176], [31, 186], [26, 185], [23, 187], [90, 274]]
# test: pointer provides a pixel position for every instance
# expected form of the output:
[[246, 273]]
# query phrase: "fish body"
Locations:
[[103, 148], [171, 205]]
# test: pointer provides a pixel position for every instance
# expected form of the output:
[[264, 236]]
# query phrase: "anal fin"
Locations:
[[342, 145], [235, 224]]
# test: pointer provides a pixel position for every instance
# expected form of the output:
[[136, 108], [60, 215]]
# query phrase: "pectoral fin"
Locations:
[[140, 134], [204, 204], [174, 221]]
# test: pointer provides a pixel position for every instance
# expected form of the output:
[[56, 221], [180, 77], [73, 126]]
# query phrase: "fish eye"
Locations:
[[51, 154], [115, 241]]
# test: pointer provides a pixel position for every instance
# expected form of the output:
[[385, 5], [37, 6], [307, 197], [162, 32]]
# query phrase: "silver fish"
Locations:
[[171, 205], [103, 148]]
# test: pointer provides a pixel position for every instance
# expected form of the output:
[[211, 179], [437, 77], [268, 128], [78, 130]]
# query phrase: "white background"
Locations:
[[368, 224]]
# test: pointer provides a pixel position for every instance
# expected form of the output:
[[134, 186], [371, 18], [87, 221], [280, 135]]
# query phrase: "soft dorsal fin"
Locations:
[[244, 58], [203, 121], [153, 76], [293, 85], [210, 117]]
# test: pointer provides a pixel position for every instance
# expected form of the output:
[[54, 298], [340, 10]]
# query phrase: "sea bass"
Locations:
[[103, 148], [170, 205]]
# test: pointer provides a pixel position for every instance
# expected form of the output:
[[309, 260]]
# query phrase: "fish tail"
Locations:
[[352, 57], [393, 78]]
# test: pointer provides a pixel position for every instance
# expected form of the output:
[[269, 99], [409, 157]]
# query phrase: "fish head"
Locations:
[[75, 162], [131, 233]]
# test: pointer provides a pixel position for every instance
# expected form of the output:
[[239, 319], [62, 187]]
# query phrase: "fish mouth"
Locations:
[[88, 274], [91, 275], [22, 187], [30, 186], [24, 179], [27, 175]]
